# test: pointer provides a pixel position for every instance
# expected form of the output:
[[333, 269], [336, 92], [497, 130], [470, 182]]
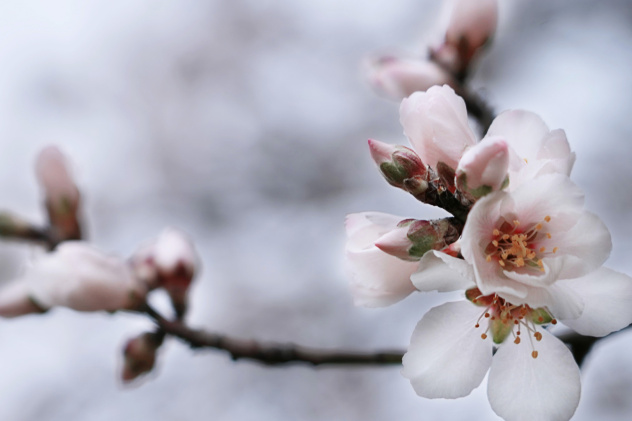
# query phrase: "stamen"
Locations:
[[517, 340], [547, 218], [554, 249], [534, 354], [548, 235], [538, 336], [496, 232], [542, 249], [483, 336], [516, 222]]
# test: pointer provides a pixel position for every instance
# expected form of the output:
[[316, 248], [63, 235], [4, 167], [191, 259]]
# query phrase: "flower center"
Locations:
[[506, 319], [514, 247]]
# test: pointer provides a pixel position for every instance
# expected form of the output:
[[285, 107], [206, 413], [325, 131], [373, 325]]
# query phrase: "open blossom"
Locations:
[[76, 276], [397, 78]]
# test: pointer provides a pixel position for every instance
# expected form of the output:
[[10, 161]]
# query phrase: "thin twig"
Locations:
[[270, 353]]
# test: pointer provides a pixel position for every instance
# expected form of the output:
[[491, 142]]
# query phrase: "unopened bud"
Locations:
[[483, 168], [168, 262], [60, 192], [413, 238], [397, 78], [472, 24], [140, 355], [400, 166]]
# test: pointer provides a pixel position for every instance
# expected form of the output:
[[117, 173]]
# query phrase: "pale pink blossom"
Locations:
[[397, 78], [377, 278], [483, 168], [534, 149], [436, 125], [82, 278], [170, 262]]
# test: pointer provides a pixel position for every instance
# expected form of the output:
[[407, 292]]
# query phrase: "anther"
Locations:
[[486, 314], [495, 243], [484, 336], [516, 222], [489, 258], [517, 340], [534, 354], [538, 227], [554, 321], [477, 325], [538, 336], [554, 249], [547, 218], [548, 235], [496, 232], [542, 249]]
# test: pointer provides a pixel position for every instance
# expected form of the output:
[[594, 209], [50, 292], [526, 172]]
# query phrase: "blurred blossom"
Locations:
[[140, 355], [15, 300], [79, 277], [397, 78], [471, 25], [60, 192], [170, 262]]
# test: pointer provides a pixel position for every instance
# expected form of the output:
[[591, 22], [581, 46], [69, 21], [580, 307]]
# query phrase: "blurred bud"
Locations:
[[472, 24], [16, 227], [82, 278], [168, 262], [60, 192], [400, 166], [397, 78], [413, 238], [483, 168], [140, 355], [15, 300]]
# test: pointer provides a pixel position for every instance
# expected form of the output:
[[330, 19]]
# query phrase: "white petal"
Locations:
[[523, 388], [524, 131], [607, 295], [438, 271], [447, 357], [584, 247], [15, 300], [378, 279], [436, 125]]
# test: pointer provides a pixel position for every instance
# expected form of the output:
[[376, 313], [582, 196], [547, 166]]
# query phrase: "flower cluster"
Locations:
[[76, 275], [520, 245]]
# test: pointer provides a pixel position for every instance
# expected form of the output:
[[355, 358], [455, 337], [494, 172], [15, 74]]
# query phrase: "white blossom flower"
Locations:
[[377, 278], [79, 277]]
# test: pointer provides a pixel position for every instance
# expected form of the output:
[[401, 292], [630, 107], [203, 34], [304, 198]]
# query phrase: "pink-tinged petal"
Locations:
[[447, 357], [556, 152], [524, 131], [377, 278], [397, 78], [607, 295], [473, 21], [523, 388], [438, 271], [583, 248], [15, 300], [51, 168], [396, 243], [436, 125], [80, 277], [485, 164]]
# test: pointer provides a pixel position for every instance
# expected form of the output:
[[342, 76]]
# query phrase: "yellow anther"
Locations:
[[501, 263], [495, 243], [538, 336], [489, 258], [542, 249], [547, 218], [516, 222], [538, 227], [548, 235], [496, 232], [540, 263], [520, 262], [526, 161], [505, 237], [534, 354], [554, 249]]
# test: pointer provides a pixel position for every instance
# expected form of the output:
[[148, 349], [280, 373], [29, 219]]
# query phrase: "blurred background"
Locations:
[[244, 123]]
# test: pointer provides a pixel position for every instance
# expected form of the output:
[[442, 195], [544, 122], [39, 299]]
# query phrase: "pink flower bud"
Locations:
[[399, 164], [60, 192], [80, 277], [168, 262], [413, 238], [398, 78], [483, 168], [140, 355], [396, 243], [472, 24]]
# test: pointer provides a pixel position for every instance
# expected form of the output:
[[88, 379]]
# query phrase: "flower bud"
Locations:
[[483, 168], [168, 262], [472, 24], [400, 166], [397, 78], [413, 238], [60, 193], [82, 278], [140, 355]]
